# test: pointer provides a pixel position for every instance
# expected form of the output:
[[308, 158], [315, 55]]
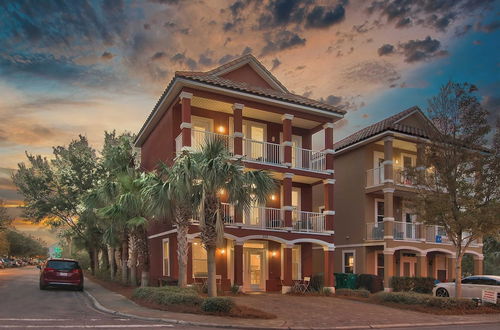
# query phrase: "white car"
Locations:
[[472, 287]]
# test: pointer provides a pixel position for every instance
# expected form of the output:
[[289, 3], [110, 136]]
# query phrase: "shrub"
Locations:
[[169, 295], [326, 291], [353, 293], [410, 298], [372, 283], [317, 282], [415, 284], [235, 289], [217, 305]]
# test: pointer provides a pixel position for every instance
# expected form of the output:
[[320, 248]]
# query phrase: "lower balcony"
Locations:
[[404, 231], [268, 218]]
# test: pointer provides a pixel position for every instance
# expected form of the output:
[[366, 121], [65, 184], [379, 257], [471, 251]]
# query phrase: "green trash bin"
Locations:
[[345, 281]]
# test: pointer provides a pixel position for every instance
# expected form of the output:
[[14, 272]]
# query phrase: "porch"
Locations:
[[257, 264]]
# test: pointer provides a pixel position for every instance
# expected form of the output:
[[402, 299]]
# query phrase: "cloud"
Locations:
[[180, 58], [371, 72], [280, 41], [276, 63], [385, 50], [331, 99], [419, 50], [158, 56], [107, 56], [322, 17], [487, 27]]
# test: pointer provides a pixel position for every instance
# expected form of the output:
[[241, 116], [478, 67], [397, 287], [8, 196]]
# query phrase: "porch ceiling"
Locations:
[[401, 144], [215, 105], [296, 178]]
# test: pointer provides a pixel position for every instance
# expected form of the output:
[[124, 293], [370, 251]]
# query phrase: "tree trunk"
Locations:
[[96, 258], [143, 255], [112, 262], [105, 257], [458, 271], [182, 252], [133, 260], [91, 253], [212, 282], [124, 259]]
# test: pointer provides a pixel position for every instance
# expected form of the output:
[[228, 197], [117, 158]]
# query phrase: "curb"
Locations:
[[101, 308]]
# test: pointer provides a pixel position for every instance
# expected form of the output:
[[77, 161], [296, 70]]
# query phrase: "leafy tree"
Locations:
[[5, 218], [214, 171], [22, 245], [54, 189], [460, 189], [491, 252]]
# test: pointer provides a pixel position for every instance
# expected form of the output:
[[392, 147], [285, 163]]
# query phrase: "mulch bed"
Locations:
[[127, 291]]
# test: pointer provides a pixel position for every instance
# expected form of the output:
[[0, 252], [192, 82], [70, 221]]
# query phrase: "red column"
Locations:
[[287, 139], [306, 259], [186, 118], [329, 268], [329, 146], [329, 200], [287, 266], [189, 267], [238, 263], [238, 128], [287, 199]]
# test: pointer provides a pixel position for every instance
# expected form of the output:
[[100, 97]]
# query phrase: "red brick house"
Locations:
[[289, 237]]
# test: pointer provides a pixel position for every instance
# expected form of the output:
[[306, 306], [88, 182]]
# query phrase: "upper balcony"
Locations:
[[262, 152], [376, 177]]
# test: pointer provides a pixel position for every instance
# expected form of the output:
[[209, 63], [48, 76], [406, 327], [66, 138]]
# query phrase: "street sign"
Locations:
[[489, 296], [438, 239]]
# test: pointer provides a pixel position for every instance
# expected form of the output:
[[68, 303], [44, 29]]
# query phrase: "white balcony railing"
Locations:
[[406, 231], [262, 152], [264, 217], [308, 221], [375, 176], [308, 159], [375, 231], [436, 234]]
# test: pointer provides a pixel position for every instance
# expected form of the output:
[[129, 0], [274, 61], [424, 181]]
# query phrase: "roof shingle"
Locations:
[[387, 124]]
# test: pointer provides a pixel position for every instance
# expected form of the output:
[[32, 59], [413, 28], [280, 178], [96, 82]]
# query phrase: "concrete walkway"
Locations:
[[295, 312]]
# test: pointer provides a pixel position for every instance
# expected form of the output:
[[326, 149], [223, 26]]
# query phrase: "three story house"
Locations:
[[270, 128], [376, 231]]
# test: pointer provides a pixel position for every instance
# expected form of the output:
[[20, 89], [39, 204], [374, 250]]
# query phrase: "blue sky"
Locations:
[[82, 67]]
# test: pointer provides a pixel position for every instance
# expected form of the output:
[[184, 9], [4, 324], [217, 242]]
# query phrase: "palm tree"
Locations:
[[170, 194], [215, 171]]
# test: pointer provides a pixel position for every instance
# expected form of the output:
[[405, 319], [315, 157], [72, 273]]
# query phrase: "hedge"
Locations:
[[353, 293], [169, 295], [372, 283], [217, 305], [413, 284], [411, 298]]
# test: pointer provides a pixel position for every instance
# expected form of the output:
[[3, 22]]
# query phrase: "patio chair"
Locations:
[[304, 285]]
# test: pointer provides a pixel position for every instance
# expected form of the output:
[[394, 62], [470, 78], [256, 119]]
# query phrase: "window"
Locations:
[[62, 265], [379, 210], [296, 273], [166, 257], [380, 264], [348, 261], [199, 260]]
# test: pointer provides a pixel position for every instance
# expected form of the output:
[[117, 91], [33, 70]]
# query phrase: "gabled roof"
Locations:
[[213, 77], [392, 123]]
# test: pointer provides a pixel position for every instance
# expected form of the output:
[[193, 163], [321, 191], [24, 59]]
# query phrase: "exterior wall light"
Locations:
[[221, 129], [273, 254], [273, 197], [222, 251]]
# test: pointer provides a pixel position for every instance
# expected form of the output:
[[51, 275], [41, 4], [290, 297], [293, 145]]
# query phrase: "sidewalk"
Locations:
[[293, 312]]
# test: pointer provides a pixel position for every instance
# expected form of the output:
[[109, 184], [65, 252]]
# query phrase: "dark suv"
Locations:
[[61, 272]]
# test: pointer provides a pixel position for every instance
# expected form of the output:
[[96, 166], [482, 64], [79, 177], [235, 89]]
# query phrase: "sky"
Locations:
[[83, 67]]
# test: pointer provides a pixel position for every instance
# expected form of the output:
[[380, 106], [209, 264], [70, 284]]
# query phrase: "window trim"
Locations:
[[163, 241], [376, 200], [344, 252]]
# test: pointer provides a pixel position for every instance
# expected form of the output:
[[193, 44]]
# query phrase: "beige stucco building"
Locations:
[[376, 232]]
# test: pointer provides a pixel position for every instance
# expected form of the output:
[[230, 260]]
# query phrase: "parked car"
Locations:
[[472, 286], [7, 262], [2, 266], [61, 272]]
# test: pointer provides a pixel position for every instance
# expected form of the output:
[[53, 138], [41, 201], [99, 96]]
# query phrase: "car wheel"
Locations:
[[442, 293], [42, 287], [79, 288]]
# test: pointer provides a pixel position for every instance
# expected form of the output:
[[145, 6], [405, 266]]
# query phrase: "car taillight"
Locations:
[[76, 270], [49, 270]]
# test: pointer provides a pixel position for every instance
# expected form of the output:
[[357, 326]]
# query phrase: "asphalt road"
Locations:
[[24, 306]]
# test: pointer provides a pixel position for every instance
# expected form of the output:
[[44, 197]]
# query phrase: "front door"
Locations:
[[200, 128], [378, 168], [254, 279]]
